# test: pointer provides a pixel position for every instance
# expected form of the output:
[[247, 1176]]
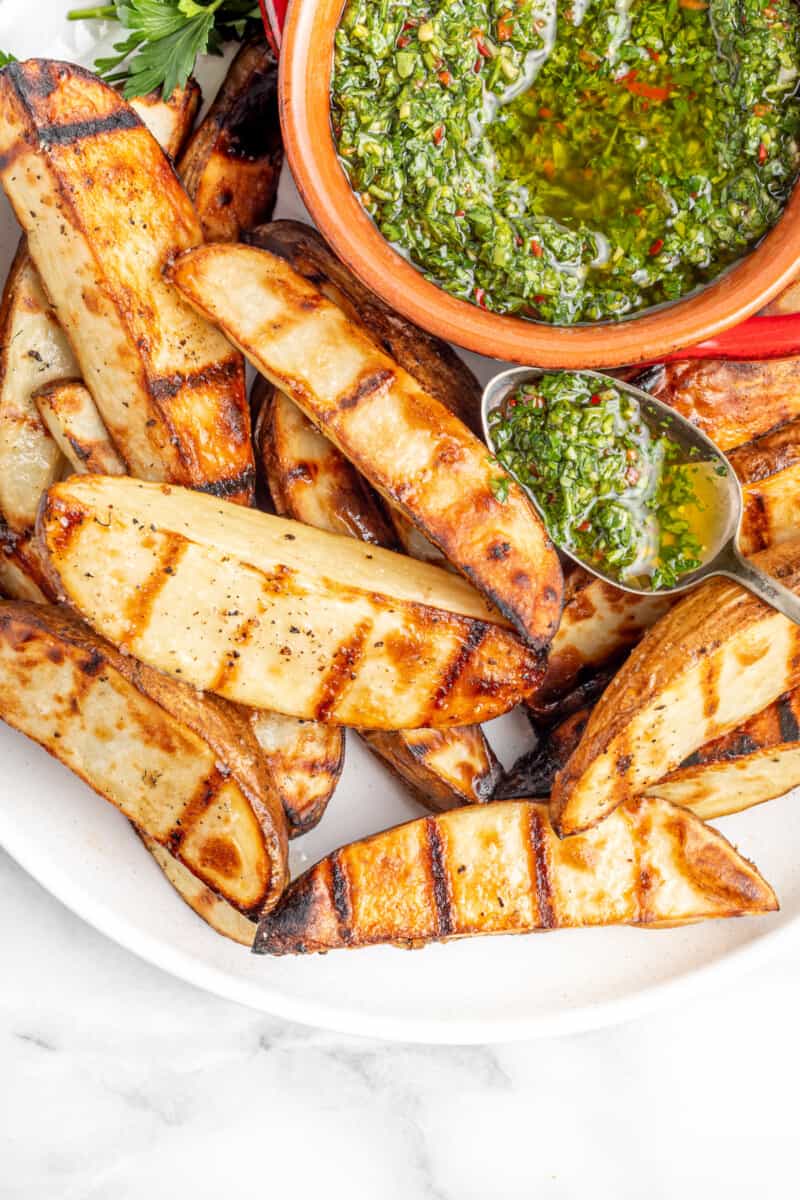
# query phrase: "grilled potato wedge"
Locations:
[[404, 442], [732, 402], [717, 658], [769, 471], [170, 121], [433, 363], [232, 165], [282, 616], [534, 772], [71, 416], [305, 760], [212, 908], [599, 622], [442, 768], [310, 480], [499, 868], [313, 482], [23, 575], [33, 351], [758, 761], [184, 768], [169, 387]]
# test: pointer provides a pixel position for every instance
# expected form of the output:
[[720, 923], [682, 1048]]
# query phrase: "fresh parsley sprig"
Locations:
[[165, 39], [6, 58]]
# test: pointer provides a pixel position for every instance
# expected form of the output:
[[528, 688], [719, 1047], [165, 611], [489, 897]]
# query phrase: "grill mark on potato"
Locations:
[[755, 523], [539, 868], [458, 663], [341, 670], [204, 794], [139, 607], [437, 866], [787, 721], [710, 688], [712, 871], [640, 825], [368, 385], [164, 387], [81, 131], [340, 895], [234, 485]]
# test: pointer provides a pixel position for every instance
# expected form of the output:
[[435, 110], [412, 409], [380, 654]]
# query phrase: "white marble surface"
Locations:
[[118, 1081]]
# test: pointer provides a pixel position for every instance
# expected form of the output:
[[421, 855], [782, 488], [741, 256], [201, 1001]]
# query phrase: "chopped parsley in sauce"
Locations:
[[613, 492], [570, 163]]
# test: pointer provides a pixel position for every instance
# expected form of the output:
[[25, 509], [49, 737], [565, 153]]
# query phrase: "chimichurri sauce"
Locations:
[[613, 492], [569, 164]]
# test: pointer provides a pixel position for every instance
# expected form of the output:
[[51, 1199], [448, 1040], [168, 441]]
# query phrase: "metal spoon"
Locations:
[[722, 554]]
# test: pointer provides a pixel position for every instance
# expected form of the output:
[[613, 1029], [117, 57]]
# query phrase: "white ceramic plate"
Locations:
[[493, 989]]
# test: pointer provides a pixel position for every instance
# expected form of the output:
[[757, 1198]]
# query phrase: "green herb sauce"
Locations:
[[613, 493], [569, 164]]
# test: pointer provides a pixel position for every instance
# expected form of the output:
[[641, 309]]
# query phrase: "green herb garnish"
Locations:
[[612, 492], [569, 161], [166, 37], [6, 58]]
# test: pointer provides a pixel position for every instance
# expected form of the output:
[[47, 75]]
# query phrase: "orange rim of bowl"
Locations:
[[305, 75]]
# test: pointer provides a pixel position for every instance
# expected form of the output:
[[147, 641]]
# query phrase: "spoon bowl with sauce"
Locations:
[[626, 487]]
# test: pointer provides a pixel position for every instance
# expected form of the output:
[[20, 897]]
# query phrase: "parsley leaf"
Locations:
[[165, 39], [6, 58]]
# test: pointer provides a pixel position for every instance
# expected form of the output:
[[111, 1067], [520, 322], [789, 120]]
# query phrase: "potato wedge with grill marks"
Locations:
[[405, 442], [534, 773], [769, 471], [499, 868], [71, 416], [209, 906], [433, 363], [33, 351], [717, 658], [758, 761], [305, 760], [275, 615], [183, 767], [232, 164], [732, 402], [313, 482], [103, 209], [23, 574]]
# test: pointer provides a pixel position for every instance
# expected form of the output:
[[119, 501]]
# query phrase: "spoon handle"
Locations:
[[761, 584]]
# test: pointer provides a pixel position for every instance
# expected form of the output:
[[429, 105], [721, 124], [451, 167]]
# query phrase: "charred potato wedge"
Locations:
[[534, 773], [282, 616], [650, 864], [70, 414], [170, 121], [433, 363], [312, 482], [304, 760], [406, 443], [769, 471], [756, 762], [23, 575], [33, 351], [717, 658], [184, 768], [169, 387], [212, 908], [232, 165], [732, 402]]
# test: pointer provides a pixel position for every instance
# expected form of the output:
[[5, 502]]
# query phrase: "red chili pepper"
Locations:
[[545, 112], [536, 248], [656, 247], [649, 91], [482, 48], [445, 78], [763, 153], [402, 42], [653, 54], [411, 23], [504, 30], [476, 66], [595, 399], [438, 134], [539, 299], [584, 526], [480, 297], [459, 212]]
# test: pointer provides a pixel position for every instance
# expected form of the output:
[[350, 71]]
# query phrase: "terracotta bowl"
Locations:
[[306, 62]]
